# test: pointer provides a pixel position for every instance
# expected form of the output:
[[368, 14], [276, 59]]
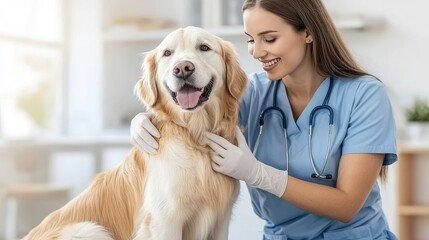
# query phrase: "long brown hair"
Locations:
[[329, 54]]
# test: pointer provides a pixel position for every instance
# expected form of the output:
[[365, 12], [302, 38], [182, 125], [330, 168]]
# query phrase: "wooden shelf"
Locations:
[[118, 35], [125, 34], [414, 147], [413, 210], [408, 210], [355, 22], [31, 41]]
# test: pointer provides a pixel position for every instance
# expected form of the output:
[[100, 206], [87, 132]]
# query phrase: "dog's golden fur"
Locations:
[[173, 194]]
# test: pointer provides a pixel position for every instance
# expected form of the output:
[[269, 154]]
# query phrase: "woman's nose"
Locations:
[[257, 51]]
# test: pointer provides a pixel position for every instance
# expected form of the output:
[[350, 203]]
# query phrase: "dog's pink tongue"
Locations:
[[188, 97]]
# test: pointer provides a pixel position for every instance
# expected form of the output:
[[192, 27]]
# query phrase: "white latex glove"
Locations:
[[239, 163], [143, 133]]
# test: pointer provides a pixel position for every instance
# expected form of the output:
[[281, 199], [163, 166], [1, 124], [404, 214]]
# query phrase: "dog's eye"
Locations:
[[167, 53], [204, 48]]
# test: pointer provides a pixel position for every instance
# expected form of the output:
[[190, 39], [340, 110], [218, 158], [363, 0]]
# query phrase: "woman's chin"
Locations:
[[273, 76]]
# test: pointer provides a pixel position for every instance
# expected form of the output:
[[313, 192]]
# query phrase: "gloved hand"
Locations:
[[239, 163], [143, 133]]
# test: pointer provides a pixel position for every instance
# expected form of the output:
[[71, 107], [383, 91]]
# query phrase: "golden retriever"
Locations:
[[191, 83]]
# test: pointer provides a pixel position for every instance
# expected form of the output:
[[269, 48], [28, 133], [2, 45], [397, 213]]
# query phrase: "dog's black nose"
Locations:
[[183, 69]]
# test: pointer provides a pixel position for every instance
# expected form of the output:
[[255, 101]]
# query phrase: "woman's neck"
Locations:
[[301, 90], [302, 87]]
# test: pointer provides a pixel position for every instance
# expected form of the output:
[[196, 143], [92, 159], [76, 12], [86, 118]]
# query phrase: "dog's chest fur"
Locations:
[[182, 187], [177, 171]]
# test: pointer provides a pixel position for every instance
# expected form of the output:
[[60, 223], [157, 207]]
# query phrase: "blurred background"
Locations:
[[68, 68]]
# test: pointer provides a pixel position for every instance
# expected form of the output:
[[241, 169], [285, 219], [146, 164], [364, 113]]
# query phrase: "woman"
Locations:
[[305, 186]]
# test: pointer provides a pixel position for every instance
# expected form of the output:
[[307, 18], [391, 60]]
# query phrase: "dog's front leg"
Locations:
[[168, 230], [160, 229], [220, 231]]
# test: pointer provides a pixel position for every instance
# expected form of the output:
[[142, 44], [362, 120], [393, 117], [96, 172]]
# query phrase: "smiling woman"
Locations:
[[31, 56]]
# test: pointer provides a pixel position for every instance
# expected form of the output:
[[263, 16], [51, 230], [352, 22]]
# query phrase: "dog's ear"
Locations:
[[146, 88], [236, 78]]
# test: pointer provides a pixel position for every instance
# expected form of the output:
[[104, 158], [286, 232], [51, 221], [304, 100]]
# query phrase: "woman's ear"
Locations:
[[308, 37], [146, 88]]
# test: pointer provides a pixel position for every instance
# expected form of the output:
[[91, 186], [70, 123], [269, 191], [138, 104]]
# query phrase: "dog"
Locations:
[[191, 84]]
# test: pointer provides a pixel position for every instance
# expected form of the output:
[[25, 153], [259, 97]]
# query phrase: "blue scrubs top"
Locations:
[[363, 123]]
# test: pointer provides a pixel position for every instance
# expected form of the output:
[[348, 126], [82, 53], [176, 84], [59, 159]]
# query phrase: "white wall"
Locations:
[[397, 53], [85, 68]]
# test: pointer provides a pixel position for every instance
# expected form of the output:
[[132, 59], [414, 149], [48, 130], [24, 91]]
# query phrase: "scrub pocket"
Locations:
[[359, 233]]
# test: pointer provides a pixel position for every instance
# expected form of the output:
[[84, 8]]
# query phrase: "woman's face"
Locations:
[[276, 44]]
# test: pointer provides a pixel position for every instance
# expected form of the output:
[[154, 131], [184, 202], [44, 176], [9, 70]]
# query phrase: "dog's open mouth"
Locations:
[[189, 97]]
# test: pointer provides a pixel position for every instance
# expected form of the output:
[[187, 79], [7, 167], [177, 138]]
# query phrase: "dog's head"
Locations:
[[192, 72]]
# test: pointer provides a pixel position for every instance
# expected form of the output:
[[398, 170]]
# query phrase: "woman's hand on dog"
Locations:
[[239, 162], [143, 133]]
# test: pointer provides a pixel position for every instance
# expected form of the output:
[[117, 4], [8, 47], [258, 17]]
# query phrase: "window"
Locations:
[[31, 67]]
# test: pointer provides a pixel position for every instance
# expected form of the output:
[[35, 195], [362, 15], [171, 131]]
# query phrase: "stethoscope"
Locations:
[[316, 173]]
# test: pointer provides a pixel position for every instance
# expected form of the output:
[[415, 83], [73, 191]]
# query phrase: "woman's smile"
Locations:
[[269, 65]]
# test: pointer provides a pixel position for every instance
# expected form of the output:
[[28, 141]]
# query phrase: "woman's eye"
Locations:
[[270, 40], [167, 53], [250, 41], [204, 47]]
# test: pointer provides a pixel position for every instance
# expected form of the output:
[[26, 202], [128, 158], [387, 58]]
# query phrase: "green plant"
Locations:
[[418, 112]]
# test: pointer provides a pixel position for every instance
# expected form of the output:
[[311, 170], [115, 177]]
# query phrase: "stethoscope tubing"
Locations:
[[284, 125], [325, 106]]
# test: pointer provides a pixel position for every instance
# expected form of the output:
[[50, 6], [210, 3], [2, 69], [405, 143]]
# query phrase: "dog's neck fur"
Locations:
[[198, 123]]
